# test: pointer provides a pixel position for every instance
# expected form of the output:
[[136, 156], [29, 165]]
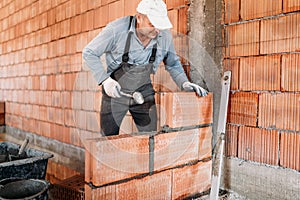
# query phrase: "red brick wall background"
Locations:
[[262, 50]]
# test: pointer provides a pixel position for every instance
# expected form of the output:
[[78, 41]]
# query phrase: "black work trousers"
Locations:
[[113, 110]]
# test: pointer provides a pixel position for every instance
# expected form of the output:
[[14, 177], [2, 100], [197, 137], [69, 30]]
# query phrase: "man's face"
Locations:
[[146, 28]]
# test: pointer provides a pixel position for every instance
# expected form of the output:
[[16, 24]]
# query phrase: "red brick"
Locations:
[[281, 111], [75, 24], [93, 121], [183, 20], [260, 73], [44, 129], [259, 145], [101, 16], [88, 21], [43, 20], [232, 11], [81, 42], [242, 108], [70, 81], [65, 28], [69, 10], [81, 81], [115, 10], [88, 99], [56, 99], [69, 117], [231, 140], [176, 148], [173, 16], [92, 4], [242, 39], [175, 3], [83, 6], [291, 5], [267, 110], [233, 65], [178, 109], [60, 82], [51, 17], [280, 34], [130, 7], [59, 116], [51, 82], [290, 150], [116, 158], [290, 74], [191, 180], [80, 119], [251, 9], [43, 113], [60, 13]]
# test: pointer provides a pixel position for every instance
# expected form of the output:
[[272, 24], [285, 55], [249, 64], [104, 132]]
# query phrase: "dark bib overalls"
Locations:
[[131, 78]]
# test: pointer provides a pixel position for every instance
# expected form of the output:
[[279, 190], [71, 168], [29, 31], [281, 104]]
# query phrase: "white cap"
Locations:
[[156, 11]]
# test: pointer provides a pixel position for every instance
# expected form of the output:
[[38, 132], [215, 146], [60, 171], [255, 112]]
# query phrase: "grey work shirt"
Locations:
[[111, 42]]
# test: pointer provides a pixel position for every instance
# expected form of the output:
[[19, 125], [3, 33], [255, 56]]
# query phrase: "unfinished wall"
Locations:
[[261, 49], [49, 95]]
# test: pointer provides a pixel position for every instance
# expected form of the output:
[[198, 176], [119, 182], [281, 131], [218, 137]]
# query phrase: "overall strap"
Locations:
[[153, 55], [125, 56]]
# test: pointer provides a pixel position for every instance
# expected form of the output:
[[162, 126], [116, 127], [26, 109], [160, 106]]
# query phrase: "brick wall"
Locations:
[[173, 164], [261, 49], [46, 88]]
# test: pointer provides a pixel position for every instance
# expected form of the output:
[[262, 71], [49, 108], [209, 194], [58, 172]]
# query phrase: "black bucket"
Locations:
[[24, 189]]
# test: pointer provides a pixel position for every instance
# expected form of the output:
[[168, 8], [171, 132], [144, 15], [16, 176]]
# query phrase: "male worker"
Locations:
[[134, 47]]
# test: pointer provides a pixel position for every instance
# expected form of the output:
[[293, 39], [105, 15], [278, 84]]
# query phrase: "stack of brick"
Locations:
[[171, 164], [262, 45]]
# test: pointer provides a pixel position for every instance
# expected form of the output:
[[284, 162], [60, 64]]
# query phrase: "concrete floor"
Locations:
[[226, 196]]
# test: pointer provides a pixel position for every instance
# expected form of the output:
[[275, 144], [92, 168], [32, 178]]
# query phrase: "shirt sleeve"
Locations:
[[92, 52], [174, 66]]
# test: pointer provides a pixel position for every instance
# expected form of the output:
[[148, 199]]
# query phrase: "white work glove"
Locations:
[[188, 86], [112, 88]]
